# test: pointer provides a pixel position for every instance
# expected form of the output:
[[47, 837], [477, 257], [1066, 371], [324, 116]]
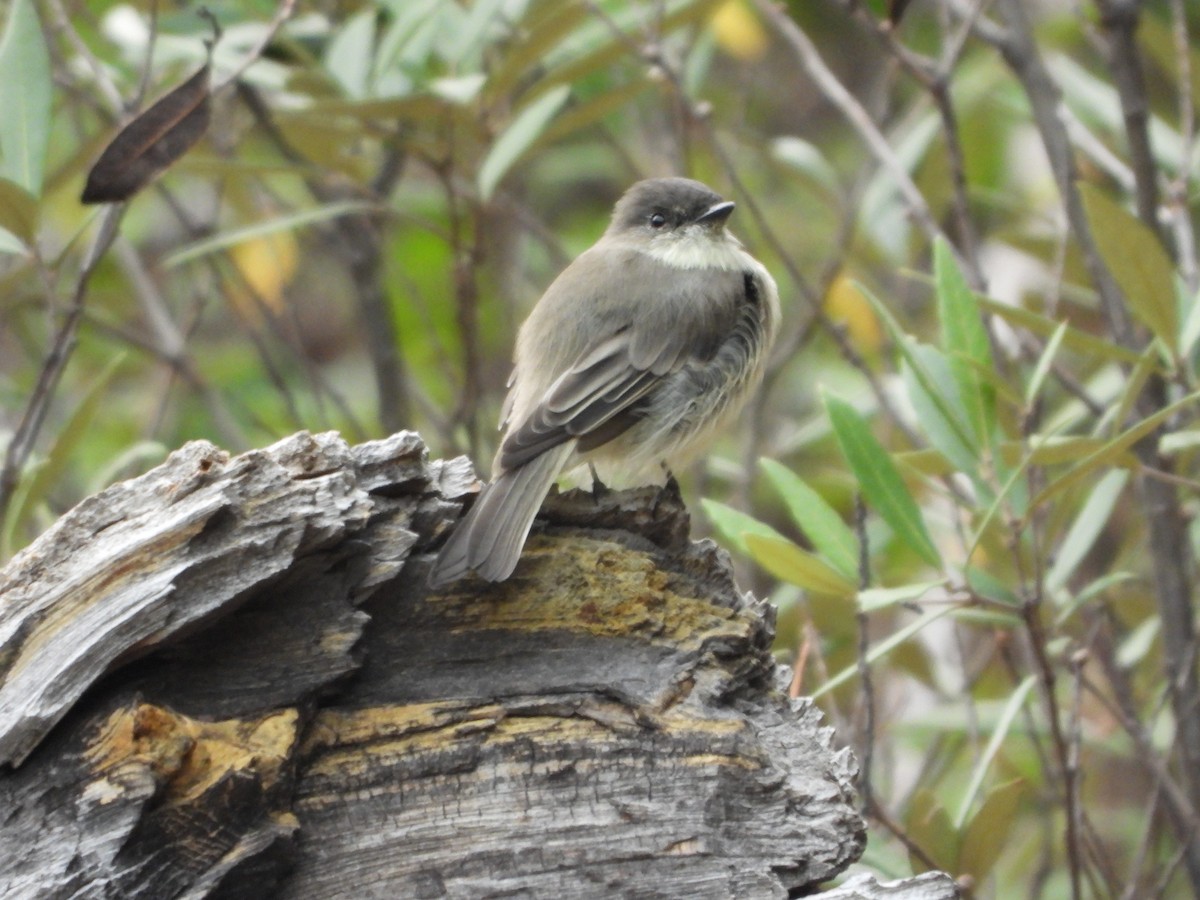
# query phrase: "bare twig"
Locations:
[[1168, 541], [1119, 19], [17, 453], [867, 689], [1177, 188], [836, 93], [282, 14]]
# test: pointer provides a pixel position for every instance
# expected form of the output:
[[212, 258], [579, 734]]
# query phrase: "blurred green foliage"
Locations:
[[953, 435]]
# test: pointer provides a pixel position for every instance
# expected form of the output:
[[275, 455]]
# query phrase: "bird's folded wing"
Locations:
[[592, 400]]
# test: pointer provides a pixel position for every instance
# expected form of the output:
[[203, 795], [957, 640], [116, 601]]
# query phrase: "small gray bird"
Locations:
[[637, 354]]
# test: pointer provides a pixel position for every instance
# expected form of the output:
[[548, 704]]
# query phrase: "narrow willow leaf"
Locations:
[[1111, 450], [999, 733], [1138, 643], [1097, 587], [797, 566], [883, 648], [10, 243], [941, 391], [818, 520], [349, 54], [1191, 326], [879, 479], [1073, 339], [1118, 413], [519, 137], [25, 99], [928, 826], [734, 524], [549, 25], [1045, 361], [1086, 528], [1179, 442], [38, 482], [873, 599], [980, 846], [964, 341], [290, 222], [583, 115], [1137, 261], [945, 434], [18, 211], [148, 145]]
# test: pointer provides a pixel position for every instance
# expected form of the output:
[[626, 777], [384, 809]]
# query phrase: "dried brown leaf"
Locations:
[[149, 144]]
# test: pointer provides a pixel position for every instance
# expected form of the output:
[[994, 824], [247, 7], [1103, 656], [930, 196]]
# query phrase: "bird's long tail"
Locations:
[[489, 540]]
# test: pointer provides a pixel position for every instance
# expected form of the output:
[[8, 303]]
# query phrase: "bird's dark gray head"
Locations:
[[664, 205]]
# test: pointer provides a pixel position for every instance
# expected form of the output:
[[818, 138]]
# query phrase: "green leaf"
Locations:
[[965, 341], [944, 433], [350, 52], [1179, 442], [18, 211], [939, 389], [10, 243], [1073, 339], [583, 115], [291, 222], [1045, 361], [983, 841], [1191, 325], [999, 733], [1138, 642], [884, 647], [548, 26], [1137, 261], [37, 482], [797, 566], [873, 599], [1111, 450], [1086, 528], [929, 827], [734, 524], [879, 478], [519, 137], [818, 520], [25, 94]]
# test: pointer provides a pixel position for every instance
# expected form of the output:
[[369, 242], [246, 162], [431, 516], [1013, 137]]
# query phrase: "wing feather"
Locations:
[[599, 395]]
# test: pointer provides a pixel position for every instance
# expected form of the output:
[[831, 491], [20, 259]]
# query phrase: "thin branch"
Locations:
[[282, 14], [1177, 188], [864, 665], [1119, 19], [854, 113], [1169, 544], [16, 455]]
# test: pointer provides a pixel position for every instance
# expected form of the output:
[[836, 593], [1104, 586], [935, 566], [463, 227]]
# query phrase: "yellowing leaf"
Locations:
[[738, 31], [846, 305], [267, 264], [1137, 261], [982, 841], [795, 565]]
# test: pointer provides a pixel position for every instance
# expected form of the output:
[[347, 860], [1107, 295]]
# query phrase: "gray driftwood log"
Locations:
[[226, 678]]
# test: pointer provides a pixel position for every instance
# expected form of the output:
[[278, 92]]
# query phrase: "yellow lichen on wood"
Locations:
[[188, 755], [609, 590]]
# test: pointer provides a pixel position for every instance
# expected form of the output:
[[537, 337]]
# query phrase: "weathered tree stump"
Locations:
[[227, 678]]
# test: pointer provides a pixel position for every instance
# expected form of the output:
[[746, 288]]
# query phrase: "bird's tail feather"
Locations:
[[489, 540]]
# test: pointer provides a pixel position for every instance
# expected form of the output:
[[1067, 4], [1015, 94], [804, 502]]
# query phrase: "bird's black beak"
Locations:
[[717, 213]]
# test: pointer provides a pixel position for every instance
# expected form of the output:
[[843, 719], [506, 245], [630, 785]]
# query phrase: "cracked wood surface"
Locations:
[[227, 678]]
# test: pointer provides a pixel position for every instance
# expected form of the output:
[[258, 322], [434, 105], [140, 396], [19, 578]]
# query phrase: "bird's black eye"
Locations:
[[658, 220]]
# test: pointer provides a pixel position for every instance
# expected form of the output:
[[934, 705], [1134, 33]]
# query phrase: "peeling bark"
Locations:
[[227, 678]]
